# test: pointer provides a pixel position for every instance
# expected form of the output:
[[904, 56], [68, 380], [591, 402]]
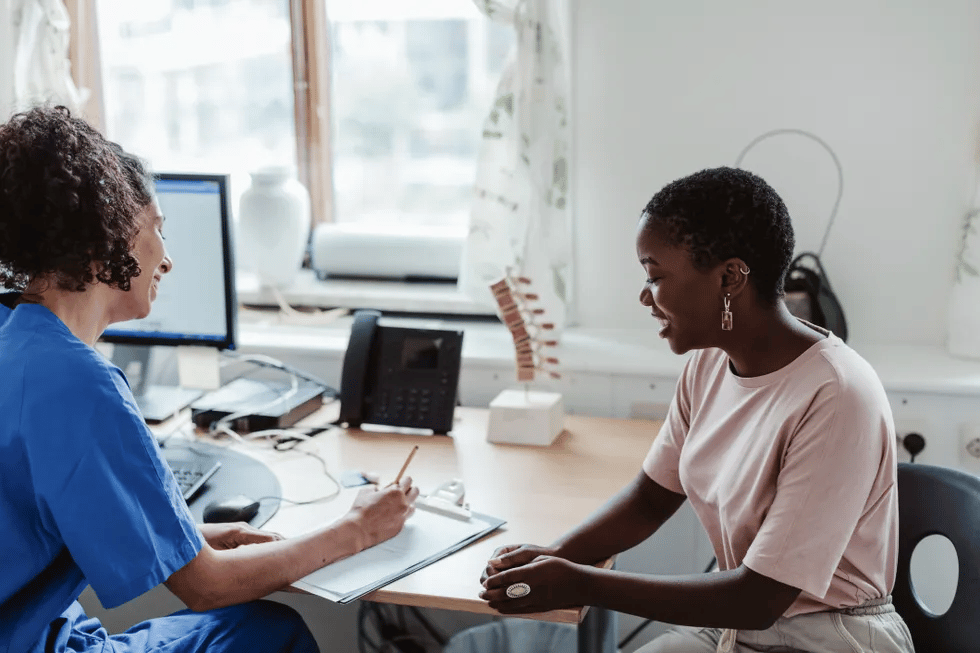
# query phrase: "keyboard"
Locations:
[[191, 470]]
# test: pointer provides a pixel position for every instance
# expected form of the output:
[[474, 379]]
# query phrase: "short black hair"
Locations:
[[722, 213]]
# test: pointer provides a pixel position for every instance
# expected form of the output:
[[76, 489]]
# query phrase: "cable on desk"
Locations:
[[274, 363], [181, 427], [287, 439], [326, 472], [221, 425], [291, 437]]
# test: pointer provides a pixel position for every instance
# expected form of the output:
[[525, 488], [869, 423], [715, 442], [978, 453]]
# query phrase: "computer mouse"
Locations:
[[236, 508]]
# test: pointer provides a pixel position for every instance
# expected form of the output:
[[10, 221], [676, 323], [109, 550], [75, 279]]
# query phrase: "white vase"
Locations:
[[274, 225]]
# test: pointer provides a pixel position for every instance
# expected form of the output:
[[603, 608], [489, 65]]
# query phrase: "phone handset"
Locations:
[[353, 379]]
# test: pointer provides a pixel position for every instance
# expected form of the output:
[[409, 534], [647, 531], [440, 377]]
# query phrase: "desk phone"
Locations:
[[398, 376]]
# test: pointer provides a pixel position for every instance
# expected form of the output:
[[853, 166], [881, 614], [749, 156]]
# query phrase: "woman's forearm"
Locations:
[[740, 598], [218, 578], [250, 571], [627, 519]]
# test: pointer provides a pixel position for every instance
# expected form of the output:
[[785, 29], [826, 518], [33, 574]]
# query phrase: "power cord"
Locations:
[[286, 439], [833, 155], [184, 426], [274, 363], [314, 317], [326, 472], [291, 438], [222, 425]]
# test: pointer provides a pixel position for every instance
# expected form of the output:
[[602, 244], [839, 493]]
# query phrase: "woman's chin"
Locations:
[[676, 344], [141, 312], [667, 333]]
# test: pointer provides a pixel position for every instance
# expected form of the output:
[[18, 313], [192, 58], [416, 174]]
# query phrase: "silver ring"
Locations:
[[517, 590]]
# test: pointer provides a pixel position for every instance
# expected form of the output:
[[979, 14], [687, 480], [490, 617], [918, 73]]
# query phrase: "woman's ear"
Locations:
[[734, 276]]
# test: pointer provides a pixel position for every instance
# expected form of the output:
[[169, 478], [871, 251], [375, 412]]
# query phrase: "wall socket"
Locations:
[[904, 426], [969, 449]]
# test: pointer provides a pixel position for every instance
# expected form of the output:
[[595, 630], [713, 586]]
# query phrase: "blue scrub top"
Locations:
[[85, 497]]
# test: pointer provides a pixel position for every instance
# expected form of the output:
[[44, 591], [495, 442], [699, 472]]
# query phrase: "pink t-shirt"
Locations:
[[792, 473]]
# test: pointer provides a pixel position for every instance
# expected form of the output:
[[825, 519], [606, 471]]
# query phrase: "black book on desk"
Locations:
[[262, 404]]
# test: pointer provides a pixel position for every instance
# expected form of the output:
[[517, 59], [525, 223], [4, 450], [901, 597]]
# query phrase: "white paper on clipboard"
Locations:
[[426, 537]]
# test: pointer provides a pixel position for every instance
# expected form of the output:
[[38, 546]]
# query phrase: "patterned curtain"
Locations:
[[964, 307], [519, 222], [42, 71]]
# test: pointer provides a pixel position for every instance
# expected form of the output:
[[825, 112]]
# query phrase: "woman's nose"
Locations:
[[166, 265], [646, 297]]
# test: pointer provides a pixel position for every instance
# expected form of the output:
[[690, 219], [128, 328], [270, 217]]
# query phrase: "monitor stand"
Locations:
[[157, 403]]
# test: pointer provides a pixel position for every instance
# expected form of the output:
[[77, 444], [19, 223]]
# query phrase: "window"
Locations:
[[207, 85], [412, 83], [199, 85]]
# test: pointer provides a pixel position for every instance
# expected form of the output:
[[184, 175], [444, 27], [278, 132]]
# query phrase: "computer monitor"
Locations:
[[196, 303]]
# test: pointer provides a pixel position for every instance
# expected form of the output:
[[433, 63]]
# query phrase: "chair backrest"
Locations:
[[938, 500]]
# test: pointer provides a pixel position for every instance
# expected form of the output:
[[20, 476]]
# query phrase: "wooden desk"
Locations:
[[541, 492]]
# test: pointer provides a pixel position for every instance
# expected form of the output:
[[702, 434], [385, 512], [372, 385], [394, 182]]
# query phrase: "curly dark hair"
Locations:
[[66, 203], [137, 173], [721, 213]]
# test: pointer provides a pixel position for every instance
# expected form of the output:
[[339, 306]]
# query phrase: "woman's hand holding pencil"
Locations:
[[401, 471], [380, 513]]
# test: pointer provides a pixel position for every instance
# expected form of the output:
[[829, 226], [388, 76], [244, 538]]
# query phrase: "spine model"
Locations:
[[528, 327]]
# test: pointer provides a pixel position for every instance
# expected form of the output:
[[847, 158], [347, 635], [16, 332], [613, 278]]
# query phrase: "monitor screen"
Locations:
[[196, 303]]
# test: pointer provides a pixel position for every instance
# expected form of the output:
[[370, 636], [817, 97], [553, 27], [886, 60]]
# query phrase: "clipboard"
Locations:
[[429, 535]]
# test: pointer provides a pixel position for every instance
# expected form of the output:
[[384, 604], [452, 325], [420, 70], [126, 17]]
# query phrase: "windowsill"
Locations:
[[603, 351], [632, 352], [922, 368], [392, 296]]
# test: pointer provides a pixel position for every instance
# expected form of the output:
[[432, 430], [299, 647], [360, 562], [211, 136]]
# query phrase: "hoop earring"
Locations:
[[726, 314]]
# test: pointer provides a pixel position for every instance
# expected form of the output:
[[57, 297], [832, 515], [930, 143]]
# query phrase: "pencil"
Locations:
[[398, 478]]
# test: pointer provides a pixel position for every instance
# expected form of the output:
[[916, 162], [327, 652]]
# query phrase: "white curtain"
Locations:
[[520, 220], [41, 67], [964, 307]]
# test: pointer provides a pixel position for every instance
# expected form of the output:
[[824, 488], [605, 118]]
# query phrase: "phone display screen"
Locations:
[[421, 353]]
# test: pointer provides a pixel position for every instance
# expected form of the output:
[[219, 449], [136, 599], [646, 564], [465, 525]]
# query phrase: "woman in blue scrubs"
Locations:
[[85, 497]]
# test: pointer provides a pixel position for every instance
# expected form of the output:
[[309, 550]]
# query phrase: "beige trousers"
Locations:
[[873, 627]]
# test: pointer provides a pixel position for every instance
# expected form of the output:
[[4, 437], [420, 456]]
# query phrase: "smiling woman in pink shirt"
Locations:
[[779, 435]]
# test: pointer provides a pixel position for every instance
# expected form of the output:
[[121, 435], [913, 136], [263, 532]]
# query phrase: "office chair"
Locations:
[[938, 500]]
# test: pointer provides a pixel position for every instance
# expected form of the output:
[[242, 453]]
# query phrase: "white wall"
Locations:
[[662, 89]]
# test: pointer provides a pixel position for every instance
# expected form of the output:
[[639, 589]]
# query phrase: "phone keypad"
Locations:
[[409, 406]]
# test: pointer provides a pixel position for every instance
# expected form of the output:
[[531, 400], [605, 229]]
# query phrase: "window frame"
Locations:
[[85, 60], [310, 38], [310, 49], [310, 59]]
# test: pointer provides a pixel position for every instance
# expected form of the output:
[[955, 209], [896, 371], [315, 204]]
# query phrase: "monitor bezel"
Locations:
[[228, 261]]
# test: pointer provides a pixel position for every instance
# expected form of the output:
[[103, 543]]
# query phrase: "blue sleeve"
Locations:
[[101, 482]]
